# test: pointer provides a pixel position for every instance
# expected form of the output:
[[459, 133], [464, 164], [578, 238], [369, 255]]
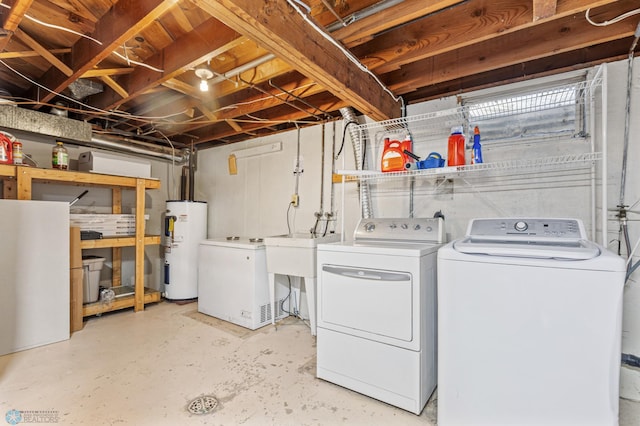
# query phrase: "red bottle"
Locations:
[[456, 147], [6, 150]]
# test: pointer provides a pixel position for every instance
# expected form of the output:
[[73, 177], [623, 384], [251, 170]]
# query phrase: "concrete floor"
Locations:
[[145, 368]]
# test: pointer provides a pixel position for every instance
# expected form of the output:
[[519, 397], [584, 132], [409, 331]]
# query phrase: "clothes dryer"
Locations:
[[376, 310]]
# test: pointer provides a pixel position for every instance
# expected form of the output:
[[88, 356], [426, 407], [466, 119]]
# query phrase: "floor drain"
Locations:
[[202, 405]]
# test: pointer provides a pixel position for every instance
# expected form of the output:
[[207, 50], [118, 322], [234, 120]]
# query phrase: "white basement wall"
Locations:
[[254, 202]]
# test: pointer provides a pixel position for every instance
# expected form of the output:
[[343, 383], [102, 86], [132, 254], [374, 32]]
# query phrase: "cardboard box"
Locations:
[[111, 164]]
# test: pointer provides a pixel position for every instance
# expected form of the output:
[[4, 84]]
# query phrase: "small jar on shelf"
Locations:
[[60, 157]]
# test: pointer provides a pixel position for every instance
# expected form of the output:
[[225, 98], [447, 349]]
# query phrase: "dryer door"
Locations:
[[384, 302]]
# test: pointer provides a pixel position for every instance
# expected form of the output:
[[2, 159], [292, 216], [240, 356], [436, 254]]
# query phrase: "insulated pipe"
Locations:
[[130, 146], [365, 198]]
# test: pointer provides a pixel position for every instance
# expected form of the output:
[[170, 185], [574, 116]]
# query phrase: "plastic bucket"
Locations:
[[92, 265]]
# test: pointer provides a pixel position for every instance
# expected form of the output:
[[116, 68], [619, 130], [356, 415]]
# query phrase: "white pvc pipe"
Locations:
[[592, 130], [344, 184], [603, 218]]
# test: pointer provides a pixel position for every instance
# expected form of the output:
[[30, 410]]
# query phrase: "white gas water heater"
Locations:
[[185, 225]]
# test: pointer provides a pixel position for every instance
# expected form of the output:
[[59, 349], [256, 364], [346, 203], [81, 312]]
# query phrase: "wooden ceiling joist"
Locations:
[[283, 31], [11, 18], [123, 21]]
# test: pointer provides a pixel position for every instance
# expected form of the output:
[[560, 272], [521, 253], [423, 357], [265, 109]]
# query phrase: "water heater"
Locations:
[[185, 225]]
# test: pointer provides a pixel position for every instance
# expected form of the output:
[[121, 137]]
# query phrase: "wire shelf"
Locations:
[[535, 113], [542, 164]]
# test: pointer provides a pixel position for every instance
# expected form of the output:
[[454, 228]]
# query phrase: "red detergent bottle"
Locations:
[[393, 156], [456, 147]]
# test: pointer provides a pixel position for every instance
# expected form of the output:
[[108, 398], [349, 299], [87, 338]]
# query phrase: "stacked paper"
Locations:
[[110, 225]]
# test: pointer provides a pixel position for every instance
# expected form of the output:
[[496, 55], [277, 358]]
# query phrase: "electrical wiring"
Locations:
[[149, 119], [288, 224], [68, 30], [286, 298], [56, 27], [125, 57], [345, 52], [130, 61], [173, 164], [296, 309], [120, 114], [344, 135], [612, 21]]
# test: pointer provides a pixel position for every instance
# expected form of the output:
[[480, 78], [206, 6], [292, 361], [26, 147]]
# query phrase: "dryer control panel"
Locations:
[[532, 228], [418, 230]]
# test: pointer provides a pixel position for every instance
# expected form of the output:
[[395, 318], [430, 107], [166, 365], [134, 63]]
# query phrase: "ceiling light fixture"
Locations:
[[204, 74]]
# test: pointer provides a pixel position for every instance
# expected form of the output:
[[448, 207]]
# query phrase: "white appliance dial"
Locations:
[[521, 226]]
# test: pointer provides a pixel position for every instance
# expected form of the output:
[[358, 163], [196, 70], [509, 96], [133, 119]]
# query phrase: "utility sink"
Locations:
[[295, 254]]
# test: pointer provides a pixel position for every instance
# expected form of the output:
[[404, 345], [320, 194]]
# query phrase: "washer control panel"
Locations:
[[413, 229], [529, 227]]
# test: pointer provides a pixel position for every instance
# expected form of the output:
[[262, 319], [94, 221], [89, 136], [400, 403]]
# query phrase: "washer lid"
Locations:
[[541, 249]]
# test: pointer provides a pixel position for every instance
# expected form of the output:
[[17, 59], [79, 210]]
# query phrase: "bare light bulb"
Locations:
[[204, 86]]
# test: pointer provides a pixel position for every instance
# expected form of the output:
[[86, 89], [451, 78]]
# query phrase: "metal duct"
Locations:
[[349, 115], [79, 133], [82, 87], [130, 146]]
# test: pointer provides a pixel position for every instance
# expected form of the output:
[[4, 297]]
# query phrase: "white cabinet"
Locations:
[[34, 284]]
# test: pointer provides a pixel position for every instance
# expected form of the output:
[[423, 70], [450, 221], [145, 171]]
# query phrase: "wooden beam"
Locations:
[[124, 20], [564, 62], [30, 53], [445, 31], [282, 113], [284, 32], [543, 9], [297, 84], [209, 39], [551, 38], [235, 126], [182, 87], [363, 30], [43, 51], [114, 86], [99, 72], [11, 18]]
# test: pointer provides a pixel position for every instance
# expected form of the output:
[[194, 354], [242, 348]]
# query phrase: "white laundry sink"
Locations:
[[295, 254]]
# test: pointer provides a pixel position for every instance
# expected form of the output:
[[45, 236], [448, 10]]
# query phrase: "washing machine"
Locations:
[[529, 325], [376, 310], [233, 283]]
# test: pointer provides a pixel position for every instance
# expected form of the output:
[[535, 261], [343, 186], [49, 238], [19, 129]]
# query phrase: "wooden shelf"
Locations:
[[85, 178], [111, 242], [7, 170], [18, 184], [150, 296]]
